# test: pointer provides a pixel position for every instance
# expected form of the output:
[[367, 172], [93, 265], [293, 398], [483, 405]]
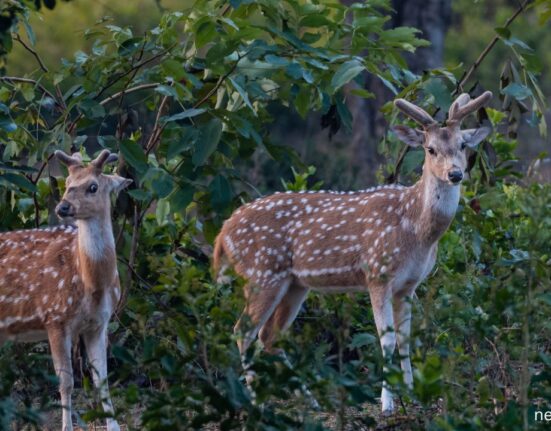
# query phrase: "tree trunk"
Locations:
[[432, 17]]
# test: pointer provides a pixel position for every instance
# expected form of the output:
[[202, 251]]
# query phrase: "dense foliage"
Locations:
[[187, 105]]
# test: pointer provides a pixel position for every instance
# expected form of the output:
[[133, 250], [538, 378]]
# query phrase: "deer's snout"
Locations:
[[455, 176], [65, 209]]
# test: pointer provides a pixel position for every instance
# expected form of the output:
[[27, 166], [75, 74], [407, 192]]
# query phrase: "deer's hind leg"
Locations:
[[283, 316], [261, 301], [280, 320], [402, 321]]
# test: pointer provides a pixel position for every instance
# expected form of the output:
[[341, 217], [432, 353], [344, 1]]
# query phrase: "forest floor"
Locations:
[[414, 418]]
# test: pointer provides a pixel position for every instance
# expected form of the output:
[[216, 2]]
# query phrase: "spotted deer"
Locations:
[[60, 283], [383, 240]]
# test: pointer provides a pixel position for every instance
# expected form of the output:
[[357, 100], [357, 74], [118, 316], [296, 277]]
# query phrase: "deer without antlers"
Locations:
[[61, 283], [383, 240]]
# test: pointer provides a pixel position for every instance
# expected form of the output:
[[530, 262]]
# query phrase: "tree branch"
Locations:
[[105, 101], [157, 128], [32, 51], [12, 79], [132, 69], [488, 48]]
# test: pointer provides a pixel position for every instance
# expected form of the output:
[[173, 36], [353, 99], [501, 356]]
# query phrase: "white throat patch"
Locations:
[[94, 237]]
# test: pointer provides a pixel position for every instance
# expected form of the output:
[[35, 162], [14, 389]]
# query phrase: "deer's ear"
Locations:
[[473, 137], [409, 136], [118, 183]]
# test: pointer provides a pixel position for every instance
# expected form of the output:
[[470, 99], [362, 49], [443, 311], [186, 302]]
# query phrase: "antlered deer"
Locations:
[[61, 283], [382, 240]]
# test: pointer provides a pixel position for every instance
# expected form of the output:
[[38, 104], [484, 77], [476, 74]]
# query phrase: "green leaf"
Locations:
[[362, 92], [205, 32], [276, 60], [503, 32], [181, 198], [183, 142], [7, 123], [220, 192], [314, 20], [173, 69], [140, 195], [441, 94], [27, 92], [244, 95], [345, 73], [162, 211], [18, 180], [130, 46], [134, 155], [518, 91], [160, 182], [185, 114], [167, 90], [412, 160], [207, 142], [92, 109], [362, 339], [29, 31]]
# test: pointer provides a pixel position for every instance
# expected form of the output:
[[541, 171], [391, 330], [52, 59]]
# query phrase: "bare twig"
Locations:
[[32, 51], [157, 128], [131, 258], [42, 65]]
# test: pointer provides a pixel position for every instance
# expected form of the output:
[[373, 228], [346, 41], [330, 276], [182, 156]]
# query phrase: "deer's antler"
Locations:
[[415, 112], [104, 158], [463, 106], [69, 161]]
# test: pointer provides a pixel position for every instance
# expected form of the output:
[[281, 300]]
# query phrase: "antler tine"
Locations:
[[460, 101], [461, 107], [100, 160], [414, 112], [67, 159]]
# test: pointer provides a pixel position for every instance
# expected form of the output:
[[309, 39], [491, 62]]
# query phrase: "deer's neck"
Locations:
[[436, 206], [96, 251]]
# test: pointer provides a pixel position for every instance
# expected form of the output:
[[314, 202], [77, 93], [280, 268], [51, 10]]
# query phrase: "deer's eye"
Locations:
[[431, 151], [92, 188], [463, 145]]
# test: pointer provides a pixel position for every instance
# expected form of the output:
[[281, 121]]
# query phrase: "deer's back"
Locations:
[[322, 239]]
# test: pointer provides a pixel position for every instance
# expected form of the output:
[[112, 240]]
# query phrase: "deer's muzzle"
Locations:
[[65, 209]]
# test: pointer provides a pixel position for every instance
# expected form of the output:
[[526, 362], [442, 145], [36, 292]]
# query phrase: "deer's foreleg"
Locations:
[[96, 349], [60, 346]]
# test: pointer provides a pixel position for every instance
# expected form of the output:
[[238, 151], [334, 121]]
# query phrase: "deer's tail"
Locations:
[[220, 261]]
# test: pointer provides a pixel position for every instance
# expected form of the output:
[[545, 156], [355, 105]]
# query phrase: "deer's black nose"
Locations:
[[455, 176], [64, 209]]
